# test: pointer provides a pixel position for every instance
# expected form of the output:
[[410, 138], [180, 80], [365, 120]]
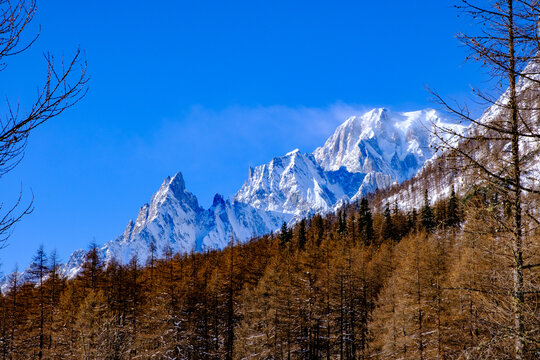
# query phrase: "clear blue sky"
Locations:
[[208, 88]]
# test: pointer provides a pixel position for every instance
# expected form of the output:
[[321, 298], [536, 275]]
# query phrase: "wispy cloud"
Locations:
[[214, 148], [282, 126]]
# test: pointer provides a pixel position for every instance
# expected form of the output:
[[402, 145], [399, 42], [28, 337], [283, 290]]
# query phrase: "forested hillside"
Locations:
[[445, 265], [427, 284]]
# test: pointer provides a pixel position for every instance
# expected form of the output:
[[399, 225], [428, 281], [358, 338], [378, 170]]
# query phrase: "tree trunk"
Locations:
[[517, 269]]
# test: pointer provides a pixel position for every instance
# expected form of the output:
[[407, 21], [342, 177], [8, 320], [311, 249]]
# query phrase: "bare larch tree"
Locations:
[[65, 83], [501, 147]]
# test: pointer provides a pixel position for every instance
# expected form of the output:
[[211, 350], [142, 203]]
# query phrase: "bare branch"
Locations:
[[64, 86]]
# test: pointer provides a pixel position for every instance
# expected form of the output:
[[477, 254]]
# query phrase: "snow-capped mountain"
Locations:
[[296, 184], [173, 219], [439, 176], [367, 152], [381, 141]]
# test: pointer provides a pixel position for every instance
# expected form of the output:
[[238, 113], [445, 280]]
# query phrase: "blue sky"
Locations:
[[208, 88]]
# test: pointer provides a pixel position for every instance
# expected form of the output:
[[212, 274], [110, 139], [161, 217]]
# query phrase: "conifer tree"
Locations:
[[352, 229], [133, 298], [365, 222], [91, 325], [342, 222], [285, 234], [440, 213], [55, 286], [63, 328], [4, 326], [400, 223], [301, 235], [38, 271], [406, 323], [92, 268], [426, 216], [388, 230], [501, 150], [412, 220], [452, 210], [14, 314], [316, 229], [151, 261]]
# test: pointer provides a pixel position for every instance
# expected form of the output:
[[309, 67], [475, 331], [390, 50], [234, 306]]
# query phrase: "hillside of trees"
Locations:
[[456, 276], [428, 284]]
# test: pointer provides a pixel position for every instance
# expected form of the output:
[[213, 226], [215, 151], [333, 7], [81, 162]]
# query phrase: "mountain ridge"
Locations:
[[367, 152]]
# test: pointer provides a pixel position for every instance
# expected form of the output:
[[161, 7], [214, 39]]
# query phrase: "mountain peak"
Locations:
[[177, 183], [294, 152], [379, 111], [218, 200], [174, 186], [396, 144]]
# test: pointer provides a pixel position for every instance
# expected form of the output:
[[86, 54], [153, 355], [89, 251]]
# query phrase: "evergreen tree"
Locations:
[[285, 235], [342, 222], [400, 223], [151, 261], [302, 239], [452, 210], [388, 231], [38, 271], [412, 220], [440, 215], [426, 216], [365, 222], [352, 230]]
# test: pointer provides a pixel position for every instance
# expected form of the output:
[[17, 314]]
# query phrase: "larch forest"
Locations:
[[455, 274]]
